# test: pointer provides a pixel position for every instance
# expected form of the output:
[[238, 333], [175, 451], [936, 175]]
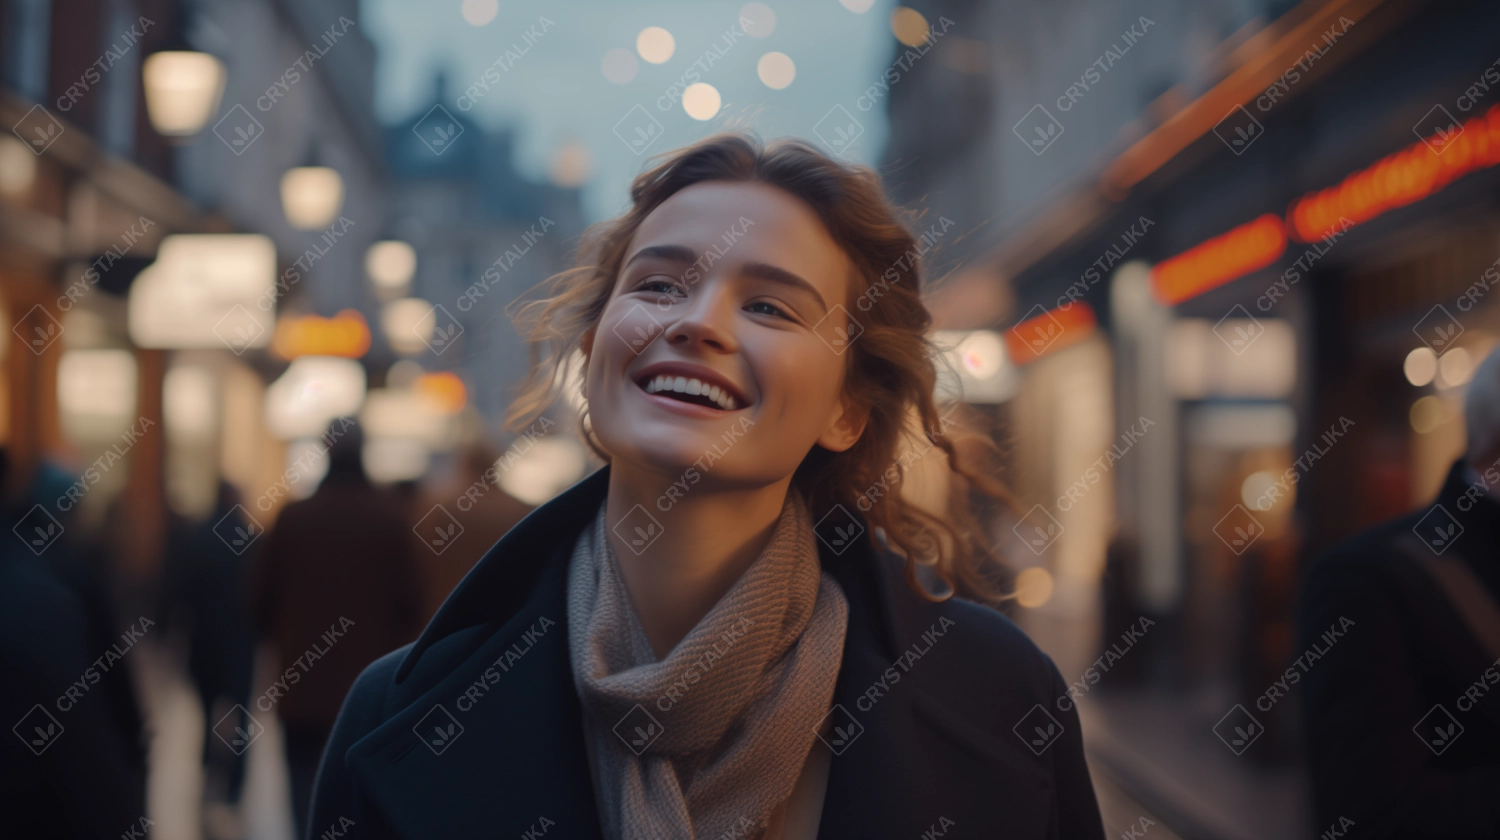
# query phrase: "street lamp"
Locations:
[[311, 196], [390, 264], [182, 90]]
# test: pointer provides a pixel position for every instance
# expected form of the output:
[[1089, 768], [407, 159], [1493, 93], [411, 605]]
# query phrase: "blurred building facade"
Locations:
[[1264, 227]]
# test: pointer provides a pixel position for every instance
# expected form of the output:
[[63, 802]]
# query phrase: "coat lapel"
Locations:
[[488, 670]]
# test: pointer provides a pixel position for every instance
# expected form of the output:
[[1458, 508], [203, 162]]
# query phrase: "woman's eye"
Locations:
[[763, 308], [665, 287]]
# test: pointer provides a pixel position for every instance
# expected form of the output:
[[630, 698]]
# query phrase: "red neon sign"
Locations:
[[1399, 179], [1249, 247]]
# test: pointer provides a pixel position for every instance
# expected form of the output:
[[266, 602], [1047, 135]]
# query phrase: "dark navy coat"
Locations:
[[474, 730]]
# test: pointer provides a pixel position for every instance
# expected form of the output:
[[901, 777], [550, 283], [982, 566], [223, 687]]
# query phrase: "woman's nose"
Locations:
[[707, 317]]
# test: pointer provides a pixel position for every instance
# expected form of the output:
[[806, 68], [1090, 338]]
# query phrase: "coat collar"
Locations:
[[482, 728]]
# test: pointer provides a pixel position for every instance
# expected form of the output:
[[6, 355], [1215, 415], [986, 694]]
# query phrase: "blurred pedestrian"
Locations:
[[484, 511], [205, 601], [78, 765], [1402, 629], [336, 588]]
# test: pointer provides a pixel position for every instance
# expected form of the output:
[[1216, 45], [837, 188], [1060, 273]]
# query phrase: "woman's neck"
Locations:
[[706, 539]]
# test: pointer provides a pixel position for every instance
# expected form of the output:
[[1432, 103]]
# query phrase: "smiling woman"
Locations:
[[730, 621]]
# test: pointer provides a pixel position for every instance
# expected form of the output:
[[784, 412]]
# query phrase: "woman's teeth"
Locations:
[[693, 388]]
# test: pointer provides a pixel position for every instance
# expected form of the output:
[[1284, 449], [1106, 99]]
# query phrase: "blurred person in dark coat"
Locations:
[[206, 600], [484, 511], [336, 589], [77, 766], [1402, 711]]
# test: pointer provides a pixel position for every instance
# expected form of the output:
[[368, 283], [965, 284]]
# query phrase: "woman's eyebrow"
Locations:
[[771, 273], [675, 253]]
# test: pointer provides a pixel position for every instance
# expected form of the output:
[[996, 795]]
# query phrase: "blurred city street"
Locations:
[[1214, 272]]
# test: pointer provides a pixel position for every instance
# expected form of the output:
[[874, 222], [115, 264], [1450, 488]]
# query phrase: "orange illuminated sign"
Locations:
[[1049, 332], [1399, 179], [345, 334], [1249, 247]]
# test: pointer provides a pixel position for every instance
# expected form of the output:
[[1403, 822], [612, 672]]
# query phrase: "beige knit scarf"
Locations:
[[711, 739]]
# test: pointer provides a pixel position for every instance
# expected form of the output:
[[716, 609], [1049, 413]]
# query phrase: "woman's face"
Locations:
[[735, 289]]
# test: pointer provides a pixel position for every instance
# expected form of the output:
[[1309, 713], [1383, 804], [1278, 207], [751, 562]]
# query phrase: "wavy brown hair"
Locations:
[[891, 367]]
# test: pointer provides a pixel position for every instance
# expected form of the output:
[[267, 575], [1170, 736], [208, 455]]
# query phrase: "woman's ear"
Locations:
[[844, 427]]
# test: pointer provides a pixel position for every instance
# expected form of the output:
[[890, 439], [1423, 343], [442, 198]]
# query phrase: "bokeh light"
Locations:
[[655, 44], [479, 12], [619, 66], [1421, 366], [760, 21], [909, 26], [701, 101], [1033, 587], [776, 70]]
